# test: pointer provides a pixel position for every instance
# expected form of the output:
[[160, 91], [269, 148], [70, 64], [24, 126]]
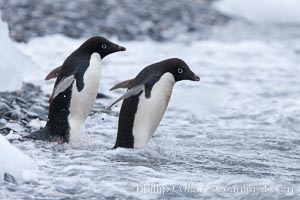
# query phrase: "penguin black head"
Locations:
[[100, 45], [179, 69]]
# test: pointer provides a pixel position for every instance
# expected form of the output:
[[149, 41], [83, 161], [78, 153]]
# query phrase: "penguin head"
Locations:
[[100, 45], [180, 70]]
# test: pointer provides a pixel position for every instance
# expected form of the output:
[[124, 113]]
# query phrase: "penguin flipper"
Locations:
[[54, 73], [123, 84], [62, 86], [146, 85], [131, 92]]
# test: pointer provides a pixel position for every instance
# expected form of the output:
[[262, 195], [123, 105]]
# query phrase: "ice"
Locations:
[[15, 67], [14, 161], [262, 11]]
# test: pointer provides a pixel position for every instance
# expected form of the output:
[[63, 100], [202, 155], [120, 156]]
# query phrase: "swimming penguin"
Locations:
[[75, 90], [146, 100]]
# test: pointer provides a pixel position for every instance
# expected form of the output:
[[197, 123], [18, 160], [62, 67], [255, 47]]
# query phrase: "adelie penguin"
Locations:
[[146, 100], [75, 90]]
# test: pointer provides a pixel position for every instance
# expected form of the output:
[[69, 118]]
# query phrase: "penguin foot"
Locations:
[[45, 135]]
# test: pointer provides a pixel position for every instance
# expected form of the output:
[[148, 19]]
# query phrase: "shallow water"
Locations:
[[234, 134]]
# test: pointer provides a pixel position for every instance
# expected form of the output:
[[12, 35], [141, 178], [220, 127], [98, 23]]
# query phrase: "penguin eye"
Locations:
[[180, 70], [103, 46]]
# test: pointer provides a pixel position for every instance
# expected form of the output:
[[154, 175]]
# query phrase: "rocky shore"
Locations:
[[127, 20], [18, 108]]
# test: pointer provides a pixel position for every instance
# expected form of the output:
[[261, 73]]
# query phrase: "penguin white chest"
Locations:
[[151, 110], [83, 101]]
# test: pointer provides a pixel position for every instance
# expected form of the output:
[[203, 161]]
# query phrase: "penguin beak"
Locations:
[[120, 48], [195, 78]]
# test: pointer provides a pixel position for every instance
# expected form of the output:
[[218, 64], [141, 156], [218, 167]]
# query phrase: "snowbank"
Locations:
[[15, 67], [262, 11], [13, 161]]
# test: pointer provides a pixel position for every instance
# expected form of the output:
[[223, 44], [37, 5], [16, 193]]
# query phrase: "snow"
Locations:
[[14, 161], [15, 67], [262, 11]]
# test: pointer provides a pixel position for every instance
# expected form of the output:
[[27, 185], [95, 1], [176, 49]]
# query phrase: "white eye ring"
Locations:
[[180, 70], [103, 46]]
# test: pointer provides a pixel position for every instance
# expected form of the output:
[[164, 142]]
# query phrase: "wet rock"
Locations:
[[10, 178], [20, 107], [14, 115], [3, 108], [128, 20], [37, 111], [32, 114], [20, 100]]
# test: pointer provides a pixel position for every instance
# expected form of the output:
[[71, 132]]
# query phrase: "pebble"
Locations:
[[3, 108]]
